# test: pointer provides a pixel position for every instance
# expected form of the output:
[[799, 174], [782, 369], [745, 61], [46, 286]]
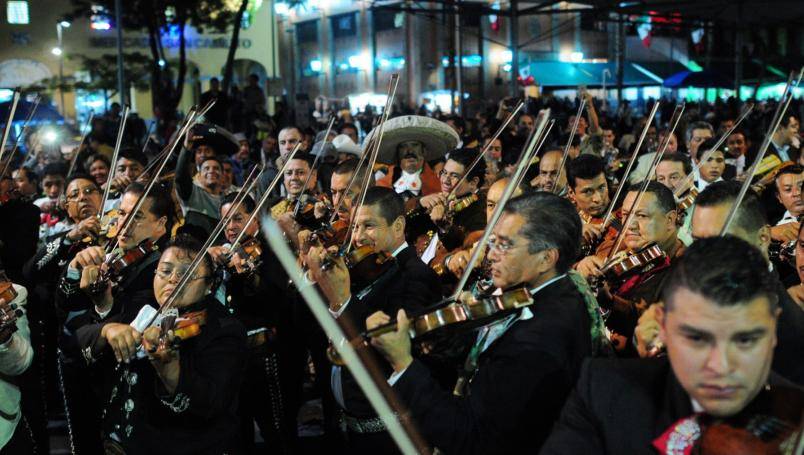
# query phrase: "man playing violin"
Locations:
[[719, 325], [548, 173], [671, 171], [177, 393], [788, 186], [256, 293], [630, 293], [711, 209], [521, 365], [409, 284], [454, 222], [296, 174]]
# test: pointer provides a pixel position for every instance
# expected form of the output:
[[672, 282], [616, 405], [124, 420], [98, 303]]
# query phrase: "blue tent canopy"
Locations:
[[45, 113], [549, 73], [705, 78]]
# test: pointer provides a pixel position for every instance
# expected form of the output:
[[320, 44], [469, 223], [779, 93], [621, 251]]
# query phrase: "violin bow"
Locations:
[[392, 85], [87, 130], [538, 149], [705, 157], [677, 114], [368, 377], [265, 196], [569, 142], [485, 150], [22, 132], [171, 147], [198, 258], [118, 143], [248, 187], [313, 168], [524, 159], [774, 125], [15, 101], [631, 161]]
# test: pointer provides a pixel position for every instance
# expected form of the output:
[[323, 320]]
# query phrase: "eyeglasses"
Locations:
[[502, 248], [452, 175], [86, 191], [178, 273]]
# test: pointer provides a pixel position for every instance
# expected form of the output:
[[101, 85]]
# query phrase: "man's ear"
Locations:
[[398, 226], [764, 236]]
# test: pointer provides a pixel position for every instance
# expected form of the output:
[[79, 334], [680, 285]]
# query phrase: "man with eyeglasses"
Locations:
[[296, 175], [521, 366], [97, 318]]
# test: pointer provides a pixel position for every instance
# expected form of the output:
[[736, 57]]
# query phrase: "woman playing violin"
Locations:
[[182, 396]]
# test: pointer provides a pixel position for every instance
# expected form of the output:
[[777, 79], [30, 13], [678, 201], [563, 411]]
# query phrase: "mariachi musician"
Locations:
[[105, 310], [589, 191], [298, 172], [255, 293], [177, 381], [457, 221], [672, 171], [407, 283], [522, 365], [408, 144], [719, 325]]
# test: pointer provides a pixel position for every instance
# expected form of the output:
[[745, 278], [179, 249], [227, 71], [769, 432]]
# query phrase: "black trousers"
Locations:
[[21, 441], [82, 408]]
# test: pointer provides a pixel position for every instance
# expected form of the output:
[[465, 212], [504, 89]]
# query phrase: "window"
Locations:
[[307, 32], [387, 20], [344, 25], [17, 13]]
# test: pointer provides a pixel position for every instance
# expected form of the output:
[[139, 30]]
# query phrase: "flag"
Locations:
[[643, 29], [697, 39]]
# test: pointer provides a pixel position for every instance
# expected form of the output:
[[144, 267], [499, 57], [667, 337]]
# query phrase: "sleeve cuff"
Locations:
[[396, 376]]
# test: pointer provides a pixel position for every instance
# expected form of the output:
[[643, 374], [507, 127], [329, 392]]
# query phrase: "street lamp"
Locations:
[[59, 52]]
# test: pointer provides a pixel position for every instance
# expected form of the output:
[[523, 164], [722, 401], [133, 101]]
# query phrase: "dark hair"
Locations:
[[550, 222], [457, 120], [78, 176], [161, 202], [192, 245], [585, 167], [305, 157], [30, 174], [700, 125], [347, 125], [215, 158], [57, 168], [786, 120], [248, 202], [750, 216], [97, 157], [792, 169], [664, 197], [213, 79], [726, 270], [708, 145], [679, 158], [465, 157], [391, 204], [346, 166], [133, 154]]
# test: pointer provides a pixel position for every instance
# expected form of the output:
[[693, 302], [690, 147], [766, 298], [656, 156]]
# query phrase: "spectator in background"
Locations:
[[26, 182], [710, 171], [253, 99], [227, 176], [241, 161], [736, 147], [350, 129], [697, 133], [53, 177], [786, 143], [217, 114], [98, 167]]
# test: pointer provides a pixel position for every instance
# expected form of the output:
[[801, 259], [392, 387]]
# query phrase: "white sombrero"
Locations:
[[438, 138]]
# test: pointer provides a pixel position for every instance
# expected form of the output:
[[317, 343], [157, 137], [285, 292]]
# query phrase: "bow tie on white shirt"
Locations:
[[409, 182]]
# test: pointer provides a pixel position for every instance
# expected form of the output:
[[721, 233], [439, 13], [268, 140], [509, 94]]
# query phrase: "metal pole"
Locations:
[[619, 52], [61, 70], [459, 46], [513, 37], [121, 85]]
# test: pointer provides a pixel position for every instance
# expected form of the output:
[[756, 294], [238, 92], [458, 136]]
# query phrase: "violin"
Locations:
[[588, 248], [9, 312], [783, 252], [627, 263], [331, 234], [184, 327], [455, 315], [251, 251], [688, 200], [116, 264], [773, 427], [107, 232], [365, 265]]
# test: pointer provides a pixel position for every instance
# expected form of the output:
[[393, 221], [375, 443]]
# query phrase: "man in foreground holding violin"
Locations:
[[402, 281], [521, 366], [719, 326], [711, 209], [183, 399], [256, 294]]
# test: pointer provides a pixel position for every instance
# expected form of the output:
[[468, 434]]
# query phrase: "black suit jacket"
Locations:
[[19, 233], [788, 357], [621, 406], [520, 385], [411, 286]]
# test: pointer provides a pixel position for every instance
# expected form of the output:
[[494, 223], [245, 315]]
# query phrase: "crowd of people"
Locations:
[[631, 285]]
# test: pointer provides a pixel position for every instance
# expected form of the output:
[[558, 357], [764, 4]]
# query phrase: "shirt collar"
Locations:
[[546, 283], [399, 250]]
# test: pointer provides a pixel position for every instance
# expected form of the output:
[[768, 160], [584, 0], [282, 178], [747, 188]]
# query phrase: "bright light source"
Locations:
[[281, 9], [64, 24], [316, 65], [17, 13], [56, 51], [100, 25], [161, 63], [502, 56], [574, 57], [49, 137], [360, 61], [507, 68]]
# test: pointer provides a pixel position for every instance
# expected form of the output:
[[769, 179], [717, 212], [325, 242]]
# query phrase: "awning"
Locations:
[[551, 73]]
